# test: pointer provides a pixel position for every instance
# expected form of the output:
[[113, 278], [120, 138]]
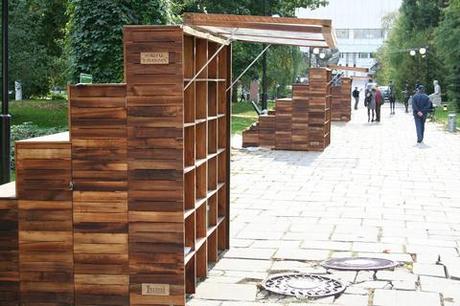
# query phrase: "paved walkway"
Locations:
[[373, 192]]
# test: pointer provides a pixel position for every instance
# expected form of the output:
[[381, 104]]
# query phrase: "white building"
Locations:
[[358, 26]]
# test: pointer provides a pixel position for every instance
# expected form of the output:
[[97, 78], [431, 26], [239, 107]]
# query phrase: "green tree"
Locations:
[[36, 30], [96, 29], [447, 36], [412, 28]]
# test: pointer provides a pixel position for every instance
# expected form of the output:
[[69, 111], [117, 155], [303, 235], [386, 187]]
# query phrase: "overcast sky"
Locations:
[[353, 14]]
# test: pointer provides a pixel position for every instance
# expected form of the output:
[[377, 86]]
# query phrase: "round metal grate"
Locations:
[[303, 285], [359, 264]]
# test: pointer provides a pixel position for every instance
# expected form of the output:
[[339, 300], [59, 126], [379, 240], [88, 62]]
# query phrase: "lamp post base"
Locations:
[[5, 148]]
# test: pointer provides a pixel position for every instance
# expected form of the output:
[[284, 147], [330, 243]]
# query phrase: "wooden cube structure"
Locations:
[[341, 100], [300, 123]]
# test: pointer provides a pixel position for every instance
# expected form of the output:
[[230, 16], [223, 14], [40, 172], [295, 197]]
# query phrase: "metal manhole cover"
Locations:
[[359, 264], [303, 285]]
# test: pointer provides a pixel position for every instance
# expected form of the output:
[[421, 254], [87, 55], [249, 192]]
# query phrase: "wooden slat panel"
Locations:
[[100, 175], [341, 101], [9, 259], [45, 223], [303, 122], [155, 154]]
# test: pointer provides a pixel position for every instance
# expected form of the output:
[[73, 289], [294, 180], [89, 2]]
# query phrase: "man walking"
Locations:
[[356, 97], [378, 103], [392, 98], [421, 106]]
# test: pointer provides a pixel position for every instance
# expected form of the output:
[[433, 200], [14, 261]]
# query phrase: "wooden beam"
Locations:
[[348, 68], [197, 19], [204, 35]]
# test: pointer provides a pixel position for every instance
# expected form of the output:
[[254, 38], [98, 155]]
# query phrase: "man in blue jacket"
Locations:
[[421, 106]]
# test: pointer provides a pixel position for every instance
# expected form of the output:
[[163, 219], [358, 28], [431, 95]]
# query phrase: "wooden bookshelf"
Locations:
[[207, 183]]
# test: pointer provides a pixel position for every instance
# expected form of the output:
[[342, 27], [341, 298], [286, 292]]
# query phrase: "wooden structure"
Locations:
[[349, 68], [9, 255], [132, 205], [341, 100], [301, 123]]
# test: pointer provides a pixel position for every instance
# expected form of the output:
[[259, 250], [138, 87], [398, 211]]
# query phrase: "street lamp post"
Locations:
[[5, 117]]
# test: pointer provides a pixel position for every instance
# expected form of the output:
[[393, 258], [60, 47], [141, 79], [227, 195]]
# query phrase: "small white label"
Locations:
[[155, 289]]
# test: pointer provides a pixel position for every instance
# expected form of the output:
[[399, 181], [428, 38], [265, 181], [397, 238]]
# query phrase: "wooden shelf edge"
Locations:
[[199, 243], [211, 118], [199, 202], [211, 230], [189, 124], [212, 192], [188, 213], [220, 116], [200, 162], [212, 155], [220, 185], [189, 256], [189, 169], [198, 121]]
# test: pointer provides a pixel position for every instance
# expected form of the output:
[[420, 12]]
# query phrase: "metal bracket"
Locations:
[[247, 68], [209, 61]]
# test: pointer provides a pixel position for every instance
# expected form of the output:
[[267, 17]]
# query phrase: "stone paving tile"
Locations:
[[302, 254], [277, 244], [327, 245], [228, 264], [405, 298], [232, 292], [450, 289], [429, 270], [289, 265], [246, 253], [352, 299]]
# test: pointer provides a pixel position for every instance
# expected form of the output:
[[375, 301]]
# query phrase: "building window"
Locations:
[[342, 55], [363, 55], [342, 33], [368, 34]]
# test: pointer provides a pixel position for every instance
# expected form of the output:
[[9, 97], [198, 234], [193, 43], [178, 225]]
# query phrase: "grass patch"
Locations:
[[244, 115], [42, 113], [441, 116]]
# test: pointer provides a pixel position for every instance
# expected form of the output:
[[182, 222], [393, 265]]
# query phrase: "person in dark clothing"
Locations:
[[392, 97], [378, 103], [421, 105], [356, 97], [369, 102], [406, 94]]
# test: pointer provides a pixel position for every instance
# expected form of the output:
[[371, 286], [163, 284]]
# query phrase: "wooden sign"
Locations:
[[155, 289], [155, 58]]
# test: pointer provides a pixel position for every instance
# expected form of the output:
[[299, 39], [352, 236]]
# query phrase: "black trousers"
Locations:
[[377, 112]]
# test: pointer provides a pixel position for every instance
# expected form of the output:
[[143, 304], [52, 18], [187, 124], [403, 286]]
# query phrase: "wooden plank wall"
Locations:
[[300, 117], [45, 223], [283, 124], [341, 100], [9, 261], [100, 173], [155, 164], [301, 123]]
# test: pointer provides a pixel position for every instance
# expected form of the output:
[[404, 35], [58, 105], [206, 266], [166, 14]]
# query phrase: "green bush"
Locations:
[[28, 130]]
